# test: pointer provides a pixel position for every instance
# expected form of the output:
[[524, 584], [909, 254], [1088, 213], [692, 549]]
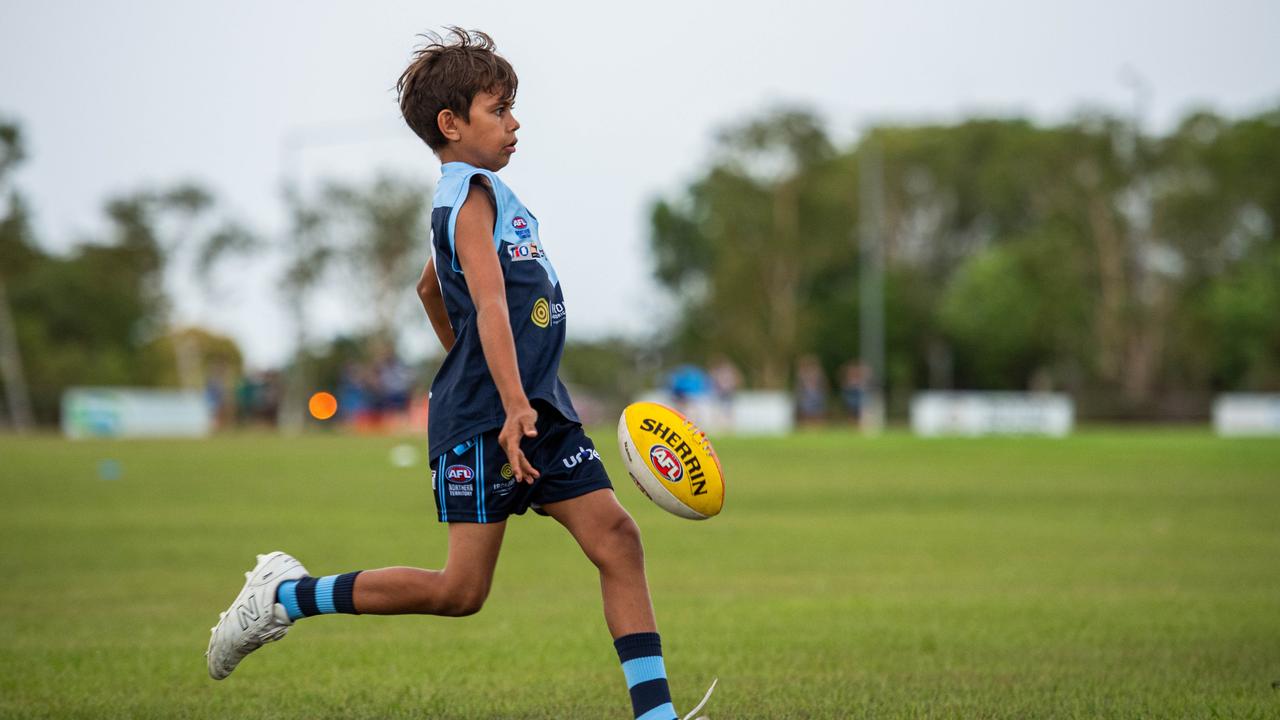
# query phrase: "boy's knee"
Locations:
[[464, 605], [626, 532], [464, 600], [619, 543]]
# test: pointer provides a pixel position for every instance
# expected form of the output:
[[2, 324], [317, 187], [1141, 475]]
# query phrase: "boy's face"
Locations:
[[488, 138]]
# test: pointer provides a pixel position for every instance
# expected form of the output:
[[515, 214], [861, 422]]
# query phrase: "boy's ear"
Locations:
[[448, 124]]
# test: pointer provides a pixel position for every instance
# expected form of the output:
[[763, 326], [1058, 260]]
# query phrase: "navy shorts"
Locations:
[[473, 482]]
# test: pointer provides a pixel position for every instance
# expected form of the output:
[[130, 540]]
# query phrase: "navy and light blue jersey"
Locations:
[[464, 398]]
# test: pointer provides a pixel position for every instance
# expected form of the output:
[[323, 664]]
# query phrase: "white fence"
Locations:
[[992, 413], [134, 412], [1238, 414], [748, 412]]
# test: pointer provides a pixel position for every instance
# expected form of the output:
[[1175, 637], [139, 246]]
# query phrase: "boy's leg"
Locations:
[[611, 540], [278, 592], [460, 588], [475, 499]]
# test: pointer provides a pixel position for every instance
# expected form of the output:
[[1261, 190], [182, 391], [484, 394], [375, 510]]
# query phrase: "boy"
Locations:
[[504, 436]]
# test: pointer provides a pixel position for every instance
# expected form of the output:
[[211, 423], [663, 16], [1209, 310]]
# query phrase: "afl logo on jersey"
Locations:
[[522, 227]]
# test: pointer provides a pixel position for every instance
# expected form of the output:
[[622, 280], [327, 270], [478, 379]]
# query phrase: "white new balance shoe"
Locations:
[[255, 618]]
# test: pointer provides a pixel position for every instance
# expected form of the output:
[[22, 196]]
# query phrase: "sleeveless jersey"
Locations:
[[464, 398]]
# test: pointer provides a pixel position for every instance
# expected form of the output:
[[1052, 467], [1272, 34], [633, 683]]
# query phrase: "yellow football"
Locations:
[[671, 460]]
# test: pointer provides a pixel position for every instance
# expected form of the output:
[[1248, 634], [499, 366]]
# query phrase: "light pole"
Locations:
[[15, 383], [871, 283]]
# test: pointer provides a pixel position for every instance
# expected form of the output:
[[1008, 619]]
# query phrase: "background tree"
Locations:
[[1133, 270], [382, 237], [740, 246], [98, 315]]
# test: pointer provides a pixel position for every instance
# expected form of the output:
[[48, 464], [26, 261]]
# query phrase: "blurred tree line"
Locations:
[[99, 314], [1140, 273]]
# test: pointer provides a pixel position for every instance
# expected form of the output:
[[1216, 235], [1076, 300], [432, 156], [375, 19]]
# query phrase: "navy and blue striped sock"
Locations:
[[641, 656], [318, 596]]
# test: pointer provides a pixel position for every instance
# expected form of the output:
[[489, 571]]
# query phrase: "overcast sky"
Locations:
[[619, 103]]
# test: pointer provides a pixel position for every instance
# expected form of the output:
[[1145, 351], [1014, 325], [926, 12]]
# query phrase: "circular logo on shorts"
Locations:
[[541, 315], [666, 463], [506, 471]]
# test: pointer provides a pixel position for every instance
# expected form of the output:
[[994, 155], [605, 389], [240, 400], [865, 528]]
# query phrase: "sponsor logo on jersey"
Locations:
[[666, 462], [679, 447], [545, 314], [525, 251], [583, 455], [506, 472], [459, 474], [522, 227], [541, 315]]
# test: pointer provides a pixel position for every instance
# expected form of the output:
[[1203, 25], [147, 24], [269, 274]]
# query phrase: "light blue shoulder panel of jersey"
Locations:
[[512, 222], [455, 183]]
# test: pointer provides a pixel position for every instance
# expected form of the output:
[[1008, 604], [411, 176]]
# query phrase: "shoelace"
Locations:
[[705, 698]]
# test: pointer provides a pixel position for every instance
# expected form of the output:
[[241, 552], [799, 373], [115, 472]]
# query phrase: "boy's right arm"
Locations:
[[473, 242], [433, 302]]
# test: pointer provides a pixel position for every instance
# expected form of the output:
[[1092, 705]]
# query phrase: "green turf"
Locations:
[[1113, 574]]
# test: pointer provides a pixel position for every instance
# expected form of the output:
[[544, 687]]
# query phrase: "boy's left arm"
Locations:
[[433, 302]]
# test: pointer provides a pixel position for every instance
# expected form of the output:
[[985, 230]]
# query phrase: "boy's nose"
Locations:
[[515, 124]]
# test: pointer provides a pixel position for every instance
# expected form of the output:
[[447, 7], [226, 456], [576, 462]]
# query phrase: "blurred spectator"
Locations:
[[217, 394], [246, 396], [258, 398], [811, 391], [689, 381], [353, 395], [725, 379], [366, 416], [268, 407], [853, 387], [395, 380]]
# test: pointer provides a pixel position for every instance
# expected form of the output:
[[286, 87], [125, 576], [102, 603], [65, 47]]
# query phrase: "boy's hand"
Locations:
[[518, 426]]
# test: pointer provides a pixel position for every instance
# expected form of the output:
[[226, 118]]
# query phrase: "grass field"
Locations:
[[1114, 574]]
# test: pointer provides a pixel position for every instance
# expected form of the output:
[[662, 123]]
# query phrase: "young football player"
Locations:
[[503, 433]]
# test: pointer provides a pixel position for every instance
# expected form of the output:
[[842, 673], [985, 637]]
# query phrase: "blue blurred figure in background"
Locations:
[[688, 382]]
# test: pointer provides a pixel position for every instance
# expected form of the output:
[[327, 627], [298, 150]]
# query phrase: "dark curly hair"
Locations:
[[447, 73]]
